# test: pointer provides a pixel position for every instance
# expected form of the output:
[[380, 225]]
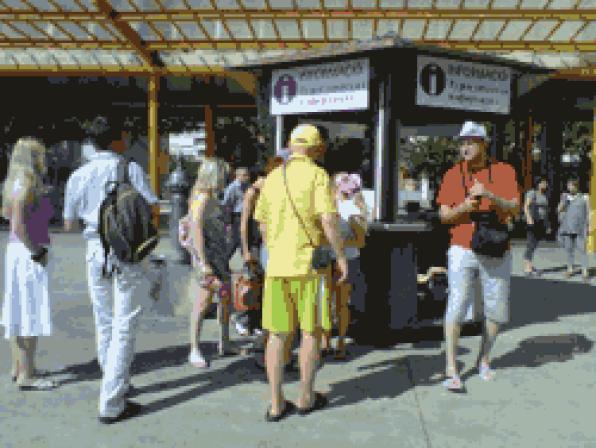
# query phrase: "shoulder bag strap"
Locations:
[[294, 206], [122, 176], [463, 179], [463, 176]]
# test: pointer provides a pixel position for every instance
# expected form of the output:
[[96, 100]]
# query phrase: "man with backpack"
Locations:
[[112, 197]]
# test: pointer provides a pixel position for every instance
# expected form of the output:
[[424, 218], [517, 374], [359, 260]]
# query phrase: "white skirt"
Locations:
[[26, 307]]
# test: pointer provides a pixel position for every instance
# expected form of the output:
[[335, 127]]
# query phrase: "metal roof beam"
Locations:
[[195, 14], [150, 58], [108, 70], [540, 45]]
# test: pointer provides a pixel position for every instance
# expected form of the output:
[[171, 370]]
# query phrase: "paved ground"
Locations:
[[543, 396]]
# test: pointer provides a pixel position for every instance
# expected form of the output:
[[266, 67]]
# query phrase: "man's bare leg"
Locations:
[[342, 295], [452, 332], [309, 353], [14, 351], [274, 359], [288, 348], [489, 335]]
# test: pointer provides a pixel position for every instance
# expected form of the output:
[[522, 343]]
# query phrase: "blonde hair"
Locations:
[[211, 175], [25, 173]]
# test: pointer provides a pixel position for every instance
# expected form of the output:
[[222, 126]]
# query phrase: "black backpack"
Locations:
[[125, 220]]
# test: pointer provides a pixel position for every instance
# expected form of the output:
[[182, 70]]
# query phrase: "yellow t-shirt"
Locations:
[[289, 248]]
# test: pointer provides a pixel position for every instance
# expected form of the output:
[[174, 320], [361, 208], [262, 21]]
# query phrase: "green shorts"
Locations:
[[303, 300]]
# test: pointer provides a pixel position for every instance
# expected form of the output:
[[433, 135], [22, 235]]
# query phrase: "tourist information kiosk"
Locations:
[[378, 92]]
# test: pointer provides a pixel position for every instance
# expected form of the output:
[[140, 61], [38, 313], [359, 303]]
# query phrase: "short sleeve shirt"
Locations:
[[86, 189], [502, 182], [289, 247]]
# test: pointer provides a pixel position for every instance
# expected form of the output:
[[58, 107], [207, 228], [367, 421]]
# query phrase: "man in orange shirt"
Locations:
[[475, 185]]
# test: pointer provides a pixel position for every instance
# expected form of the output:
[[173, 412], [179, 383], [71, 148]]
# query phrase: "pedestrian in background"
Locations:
[[352, 220], [574, 213], [116, 297], [472, 188], [253, 249], [233, 199], [294, 209], [538, 226], [209, 250], [26, 306]]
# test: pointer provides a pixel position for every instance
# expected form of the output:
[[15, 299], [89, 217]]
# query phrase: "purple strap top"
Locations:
[[38, 222]]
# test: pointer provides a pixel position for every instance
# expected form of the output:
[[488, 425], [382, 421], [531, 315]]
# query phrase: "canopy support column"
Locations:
[[528, 147], [592, 235], [279, 133], [153, 133], [209, 131]]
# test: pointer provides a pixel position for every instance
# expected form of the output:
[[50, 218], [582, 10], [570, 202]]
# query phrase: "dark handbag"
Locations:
[[491, 237], [322, 257]]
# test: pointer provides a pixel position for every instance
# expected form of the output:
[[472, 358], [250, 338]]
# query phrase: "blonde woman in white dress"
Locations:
[[26, 306]]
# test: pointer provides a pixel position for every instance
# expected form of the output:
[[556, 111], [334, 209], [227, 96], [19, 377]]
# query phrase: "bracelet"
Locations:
[[39, 255]]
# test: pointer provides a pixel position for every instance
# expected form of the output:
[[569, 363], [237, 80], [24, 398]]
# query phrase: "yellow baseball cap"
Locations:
[[306, 135]]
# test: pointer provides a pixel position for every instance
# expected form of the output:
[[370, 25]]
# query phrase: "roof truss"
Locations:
[[162, 37]]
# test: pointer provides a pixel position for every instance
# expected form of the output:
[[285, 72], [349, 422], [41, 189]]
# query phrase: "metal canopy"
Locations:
[[189, 37]]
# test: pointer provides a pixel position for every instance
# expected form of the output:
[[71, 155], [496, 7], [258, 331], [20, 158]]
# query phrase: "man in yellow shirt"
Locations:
[[291, 290]]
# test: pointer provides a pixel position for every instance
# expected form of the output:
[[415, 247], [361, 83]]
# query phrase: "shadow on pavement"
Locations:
[[540, 350], [390, 378], [143, 362], [241, 371], [536, 301]]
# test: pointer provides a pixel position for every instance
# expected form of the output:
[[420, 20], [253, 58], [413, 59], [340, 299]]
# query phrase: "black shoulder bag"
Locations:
[[321, 256], [491, 237]]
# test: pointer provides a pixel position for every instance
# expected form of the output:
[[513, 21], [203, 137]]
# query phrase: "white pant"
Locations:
[[465, 269], [116, 308]]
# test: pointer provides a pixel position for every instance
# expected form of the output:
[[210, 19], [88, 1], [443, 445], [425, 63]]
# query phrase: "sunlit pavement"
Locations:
[[543, 394]]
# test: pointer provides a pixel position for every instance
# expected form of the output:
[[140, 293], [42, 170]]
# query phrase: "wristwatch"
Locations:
[[39, 255]]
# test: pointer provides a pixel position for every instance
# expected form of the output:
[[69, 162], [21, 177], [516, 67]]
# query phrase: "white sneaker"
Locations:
[[197, 360]]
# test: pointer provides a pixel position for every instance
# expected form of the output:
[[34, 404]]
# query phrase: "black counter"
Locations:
[[390, 267]]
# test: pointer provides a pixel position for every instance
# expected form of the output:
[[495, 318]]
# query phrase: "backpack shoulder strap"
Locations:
[[122, 171]]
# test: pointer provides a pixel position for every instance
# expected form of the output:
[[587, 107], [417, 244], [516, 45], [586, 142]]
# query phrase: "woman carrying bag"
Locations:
[[26, 307]]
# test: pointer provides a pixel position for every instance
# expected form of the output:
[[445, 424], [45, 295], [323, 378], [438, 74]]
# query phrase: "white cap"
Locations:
[[473, 129]]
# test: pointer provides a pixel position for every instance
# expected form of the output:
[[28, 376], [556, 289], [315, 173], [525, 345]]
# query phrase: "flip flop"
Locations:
[[320, 402], [485, 372], [289, 407], [38, 385], [454, 384]]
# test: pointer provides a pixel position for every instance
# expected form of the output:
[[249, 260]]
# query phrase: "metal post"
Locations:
[[209, 132], [528, 149], [379, 210], [592, 236], [153, 134], [178, 185], [279, 132]]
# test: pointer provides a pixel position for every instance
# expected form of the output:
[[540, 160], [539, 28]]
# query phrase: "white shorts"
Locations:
[[465, 268]]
